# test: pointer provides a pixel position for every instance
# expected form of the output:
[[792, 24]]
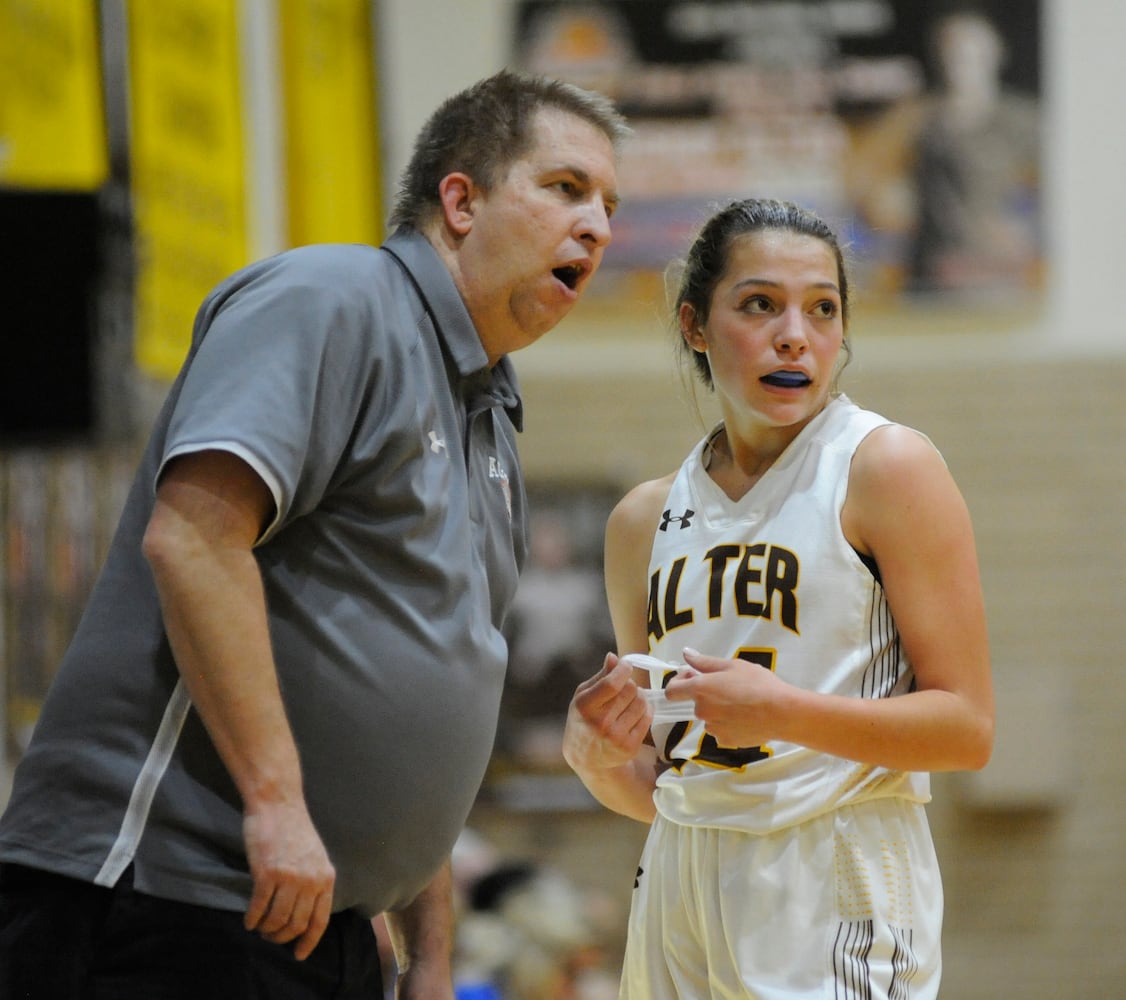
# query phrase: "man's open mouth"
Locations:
[[569, 274]]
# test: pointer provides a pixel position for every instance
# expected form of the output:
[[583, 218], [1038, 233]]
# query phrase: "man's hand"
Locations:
[[293, 877]]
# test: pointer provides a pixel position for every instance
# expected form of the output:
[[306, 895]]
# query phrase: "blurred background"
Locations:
[[971, 155]]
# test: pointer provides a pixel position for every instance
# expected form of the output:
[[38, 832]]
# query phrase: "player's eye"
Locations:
[[756, 304]]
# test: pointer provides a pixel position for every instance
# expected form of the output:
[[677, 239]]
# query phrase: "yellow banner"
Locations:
[[331, 118], [52, 118], [188, 154]]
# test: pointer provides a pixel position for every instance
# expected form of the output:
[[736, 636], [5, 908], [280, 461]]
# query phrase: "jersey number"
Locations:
[[710, 752]]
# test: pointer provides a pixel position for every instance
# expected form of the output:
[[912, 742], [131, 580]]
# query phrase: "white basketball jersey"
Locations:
[[772, 580]]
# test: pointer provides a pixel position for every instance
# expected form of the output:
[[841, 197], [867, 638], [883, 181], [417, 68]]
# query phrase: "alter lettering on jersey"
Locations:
[[673, 617], [753, 581], [684, 520]]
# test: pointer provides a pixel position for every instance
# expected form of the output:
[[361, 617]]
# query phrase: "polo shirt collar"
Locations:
[[451, 318]]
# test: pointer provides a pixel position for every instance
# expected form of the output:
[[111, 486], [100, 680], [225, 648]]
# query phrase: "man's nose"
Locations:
[[595, 223]]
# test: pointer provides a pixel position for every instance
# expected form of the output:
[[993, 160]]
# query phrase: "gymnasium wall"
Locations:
[[1031, 417]]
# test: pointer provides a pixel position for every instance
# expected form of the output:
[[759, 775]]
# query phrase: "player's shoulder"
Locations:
[[641, 507], [891, 452], [896, 471], [634, 519]]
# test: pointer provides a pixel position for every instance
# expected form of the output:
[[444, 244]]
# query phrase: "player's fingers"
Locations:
[[626, 715], [601, 689], [682, 688], [609, 664], [705, 664], [643, 720], [614, 713]]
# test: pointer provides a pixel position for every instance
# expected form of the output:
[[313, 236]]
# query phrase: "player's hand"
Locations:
[[607, 720], [740, 703], [293, 876]]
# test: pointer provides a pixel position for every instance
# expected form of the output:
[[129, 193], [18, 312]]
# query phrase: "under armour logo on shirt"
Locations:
[[684, 520], [437, 444]]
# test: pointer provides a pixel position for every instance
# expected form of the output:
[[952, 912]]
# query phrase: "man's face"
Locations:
[[536, 239]]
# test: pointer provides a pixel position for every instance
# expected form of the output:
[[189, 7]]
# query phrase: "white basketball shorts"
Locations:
[[847, 906]]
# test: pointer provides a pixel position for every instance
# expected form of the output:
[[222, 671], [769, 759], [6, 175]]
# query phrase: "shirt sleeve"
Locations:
[[283, 361]]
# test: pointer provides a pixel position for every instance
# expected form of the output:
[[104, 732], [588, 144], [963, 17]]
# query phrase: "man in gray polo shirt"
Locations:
[[278, 708]]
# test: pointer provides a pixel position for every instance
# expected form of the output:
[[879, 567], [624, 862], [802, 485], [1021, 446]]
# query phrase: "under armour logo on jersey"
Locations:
[[437, 444], [684, 520]]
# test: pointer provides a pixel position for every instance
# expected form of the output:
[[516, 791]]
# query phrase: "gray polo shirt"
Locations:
[[351, 378]]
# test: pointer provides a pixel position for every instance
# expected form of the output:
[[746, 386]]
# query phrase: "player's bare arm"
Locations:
[[604, 741], [210, 510], [905, 511], [608, 720]]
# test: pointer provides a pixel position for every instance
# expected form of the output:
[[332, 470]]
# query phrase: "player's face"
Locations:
[[538, 236], [775, 328]]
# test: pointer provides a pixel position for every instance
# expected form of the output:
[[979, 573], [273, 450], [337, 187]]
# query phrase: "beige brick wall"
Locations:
[[1034, 848]]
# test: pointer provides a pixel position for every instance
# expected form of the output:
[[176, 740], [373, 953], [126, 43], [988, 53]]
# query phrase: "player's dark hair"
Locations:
[[707, 258], [484, 129]]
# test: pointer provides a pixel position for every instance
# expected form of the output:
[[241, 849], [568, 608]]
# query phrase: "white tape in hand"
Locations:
[[664, 711]]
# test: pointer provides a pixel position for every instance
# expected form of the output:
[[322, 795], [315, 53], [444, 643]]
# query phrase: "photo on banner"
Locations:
[[912, 126]]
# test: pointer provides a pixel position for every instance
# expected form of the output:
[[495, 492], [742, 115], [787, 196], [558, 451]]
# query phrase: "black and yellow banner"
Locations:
[[331, 121], [52, 120], [193, 95], [188, 166]]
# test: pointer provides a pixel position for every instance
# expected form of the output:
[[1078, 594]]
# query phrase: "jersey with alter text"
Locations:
[[772, 580]]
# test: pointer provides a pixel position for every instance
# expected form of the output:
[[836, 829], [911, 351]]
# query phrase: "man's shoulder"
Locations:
[[359, 278], [332, 260]]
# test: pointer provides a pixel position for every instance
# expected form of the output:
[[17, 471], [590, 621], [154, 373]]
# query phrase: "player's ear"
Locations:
[[457, 194], [690, 328]]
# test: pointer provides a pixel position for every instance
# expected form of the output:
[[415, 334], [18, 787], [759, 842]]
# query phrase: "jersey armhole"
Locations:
[[872, 565]]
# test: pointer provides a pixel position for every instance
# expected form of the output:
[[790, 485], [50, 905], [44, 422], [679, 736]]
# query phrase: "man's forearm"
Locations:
[[215, 618], [199, 544]]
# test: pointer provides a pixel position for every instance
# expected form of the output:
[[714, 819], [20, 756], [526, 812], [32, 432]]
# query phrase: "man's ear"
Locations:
[[457, 193]]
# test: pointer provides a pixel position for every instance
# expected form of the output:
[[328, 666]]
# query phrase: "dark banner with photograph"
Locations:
[[912, 126]]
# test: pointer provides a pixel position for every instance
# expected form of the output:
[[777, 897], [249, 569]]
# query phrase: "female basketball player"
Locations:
[[805, 590]]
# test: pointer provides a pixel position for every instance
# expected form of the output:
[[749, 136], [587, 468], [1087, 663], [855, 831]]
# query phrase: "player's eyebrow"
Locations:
[[768, 283]]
